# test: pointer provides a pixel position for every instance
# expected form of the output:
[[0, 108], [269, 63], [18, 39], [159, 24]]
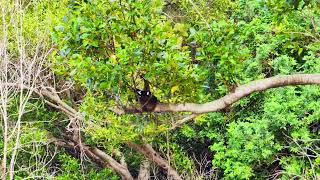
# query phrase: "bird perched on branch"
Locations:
[[147, 101]]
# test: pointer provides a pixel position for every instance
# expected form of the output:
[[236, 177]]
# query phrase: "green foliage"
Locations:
[[251, 136], [190, 51], [283, 130], [180, 160], [71, 168], [33, 153], [104, 45]]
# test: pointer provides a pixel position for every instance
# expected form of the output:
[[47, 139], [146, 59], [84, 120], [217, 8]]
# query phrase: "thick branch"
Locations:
[[240, 92], [152, 155]]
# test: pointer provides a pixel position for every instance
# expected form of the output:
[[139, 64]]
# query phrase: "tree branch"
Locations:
[[152, 155], [96, 155], [147, 150], [240, 92], [182, 121]]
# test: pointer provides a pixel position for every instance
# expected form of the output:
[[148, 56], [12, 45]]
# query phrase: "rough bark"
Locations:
[[152, 155]]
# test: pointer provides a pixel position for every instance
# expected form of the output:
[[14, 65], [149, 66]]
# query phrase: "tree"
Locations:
[[248, 78]]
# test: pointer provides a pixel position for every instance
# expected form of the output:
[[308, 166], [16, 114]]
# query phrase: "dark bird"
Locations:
[[148, 102]]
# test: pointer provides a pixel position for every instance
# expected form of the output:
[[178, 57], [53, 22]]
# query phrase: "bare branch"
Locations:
[[183, 121], [152, 155], [240, 92]]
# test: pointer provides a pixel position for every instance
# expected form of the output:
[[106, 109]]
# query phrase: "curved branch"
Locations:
[[119, 168], [246, 89], [240, 92]]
